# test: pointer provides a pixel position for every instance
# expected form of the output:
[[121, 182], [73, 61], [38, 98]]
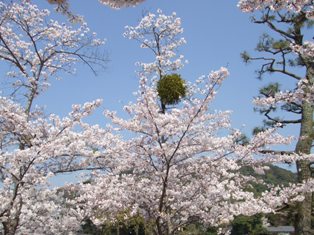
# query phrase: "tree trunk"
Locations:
[[304, 208], [10, 228], [304, 144], [137, 228], [118, 229]]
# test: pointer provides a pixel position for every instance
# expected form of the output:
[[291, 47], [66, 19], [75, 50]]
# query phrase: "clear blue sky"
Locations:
[[216, 33]]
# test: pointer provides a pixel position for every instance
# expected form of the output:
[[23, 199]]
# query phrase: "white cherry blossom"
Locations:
[[161, 34]]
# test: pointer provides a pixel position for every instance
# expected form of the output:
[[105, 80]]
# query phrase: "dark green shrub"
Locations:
[[171, 88]]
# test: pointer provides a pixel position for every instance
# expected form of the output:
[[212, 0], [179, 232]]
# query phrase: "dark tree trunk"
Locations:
[[304, 145]]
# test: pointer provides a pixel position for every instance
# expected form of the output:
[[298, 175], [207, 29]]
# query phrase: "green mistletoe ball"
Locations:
[[171, 88]]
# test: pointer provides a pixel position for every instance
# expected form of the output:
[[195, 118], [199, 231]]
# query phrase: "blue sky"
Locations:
[[216, 32]]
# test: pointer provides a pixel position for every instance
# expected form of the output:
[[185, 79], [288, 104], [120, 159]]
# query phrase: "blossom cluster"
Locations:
[[161, 34], [306, 50], [34, 147], [275, 5], [47, 147], [179, 160], [38, 48], [303, 92], [165, 149]]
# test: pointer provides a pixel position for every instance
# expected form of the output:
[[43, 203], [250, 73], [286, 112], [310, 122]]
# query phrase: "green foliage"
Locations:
[[291, 107], [275, 175], [281, 45], [248, 225], [268, 43], [273, 121], [89, 228], [171, 88], [312, 134], [242, 139], [132, 226], [279, 176], [197, 229], [265, 43], [245, 57], [270, 90], [257, 130], [286, 216]]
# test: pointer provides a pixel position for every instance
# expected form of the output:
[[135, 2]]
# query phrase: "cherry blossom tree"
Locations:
[[182, 165], [161, 34], [172, 167], [33, 147], [280, 55]]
